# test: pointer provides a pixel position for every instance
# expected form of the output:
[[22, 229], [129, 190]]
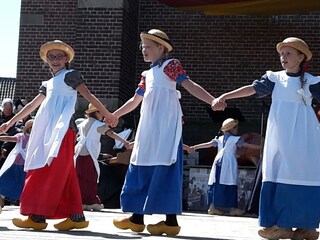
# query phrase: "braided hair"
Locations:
[[302, 67]]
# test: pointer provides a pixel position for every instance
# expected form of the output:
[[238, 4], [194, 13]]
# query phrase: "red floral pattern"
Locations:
[[174, 69], [142, 83]]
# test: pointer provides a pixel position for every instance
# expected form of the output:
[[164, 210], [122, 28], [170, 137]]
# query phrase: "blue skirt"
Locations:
[[289, 206], [154, 189], [12, 181], [222, 196]]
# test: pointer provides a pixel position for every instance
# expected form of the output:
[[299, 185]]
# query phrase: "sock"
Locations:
[[136, 218], [77, 217], [38, 218], [171, 220]]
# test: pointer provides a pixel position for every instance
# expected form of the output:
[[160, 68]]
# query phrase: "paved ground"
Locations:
[[195, 226]]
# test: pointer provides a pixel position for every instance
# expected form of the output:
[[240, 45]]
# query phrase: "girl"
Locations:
[[87, 153], [12, 174], [51, 188], [153, 183], [290, 191], [223, 179]]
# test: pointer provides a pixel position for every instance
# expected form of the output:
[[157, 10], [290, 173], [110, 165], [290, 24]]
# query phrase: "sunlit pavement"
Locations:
[[197, 226]]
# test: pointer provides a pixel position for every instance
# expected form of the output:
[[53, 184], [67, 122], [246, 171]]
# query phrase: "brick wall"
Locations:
[[220, 53], [103, 35]]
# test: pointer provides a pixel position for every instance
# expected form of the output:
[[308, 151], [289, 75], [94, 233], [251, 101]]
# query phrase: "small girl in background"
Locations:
[[87, 153], [12, 172], [223, 179]]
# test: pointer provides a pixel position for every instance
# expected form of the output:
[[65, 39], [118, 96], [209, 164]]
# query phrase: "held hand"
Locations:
[[218, 104], [191, 150], [129, 145], [111, 120], [4, 128]]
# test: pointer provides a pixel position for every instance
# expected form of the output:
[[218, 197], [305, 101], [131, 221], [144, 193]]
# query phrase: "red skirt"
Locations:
[[87, 176], [53, 191]]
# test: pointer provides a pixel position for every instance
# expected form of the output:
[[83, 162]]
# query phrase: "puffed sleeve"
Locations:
[[240, 142], [263, 87], [214, 142], [142, 84], [43, 89], [103, 129], [315, 91], [74, 79], [175, 71]]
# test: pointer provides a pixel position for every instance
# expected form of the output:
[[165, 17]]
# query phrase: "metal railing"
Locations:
[[7, 88]]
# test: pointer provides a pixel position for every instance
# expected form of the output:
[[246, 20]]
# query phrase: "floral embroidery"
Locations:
[[142, 83], [174, 69]]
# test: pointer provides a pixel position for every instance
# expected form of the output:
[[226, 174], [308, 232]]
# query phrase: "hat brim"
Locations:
[[156, 39], [45, 48], [27, 125], [302, 49], [229, 126], [91, 110]]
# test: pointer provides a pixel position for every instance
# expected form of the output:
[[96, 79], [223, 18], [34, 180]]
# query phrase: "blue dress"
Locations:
[[290, 193], [12, 179], [153, 183]]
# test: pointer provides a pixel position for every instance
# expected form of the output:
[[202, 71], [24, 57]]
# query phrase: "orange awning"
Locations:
[[245, 7]]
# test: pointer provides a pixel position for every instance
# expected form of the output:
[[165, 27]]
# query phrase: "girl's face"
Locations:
[[290, 59], [151, 50], [57, 60], [234, 130], [99, 116]]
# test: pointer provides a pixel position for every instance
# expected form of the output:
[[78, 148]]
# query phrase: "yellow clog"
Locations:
[[125, 223], [161, 228]]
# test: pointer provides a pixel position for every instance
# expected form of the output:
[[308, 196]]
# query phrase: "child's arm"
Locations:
[[251, 146], [115, 136], [110, 118], [188, 148], [197, 91], [29, 108], [202, 145], [129, 106], [8, 139], [238, 93]]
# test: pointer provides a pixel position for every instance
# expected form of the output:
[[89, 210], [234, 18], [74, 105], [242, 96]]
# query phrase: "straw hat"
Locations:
[[296, 43], [157, 36], [228, 124], [91, 109], [28, 125], [57, 45]]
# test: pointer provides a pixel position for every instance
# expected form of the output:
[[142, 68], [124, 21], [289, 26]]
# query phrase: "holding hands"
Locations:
[[111, 120], [128, 145], [218, 104], [4, 127]]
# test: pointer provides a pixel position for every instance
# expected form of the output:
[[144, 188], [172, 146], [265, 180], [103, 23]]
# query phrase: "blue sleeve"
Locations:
[[214, 142], [43, 90], [263, 87], [74, 79], [315, 91], [181, 78], [240, 143], [140, 92]]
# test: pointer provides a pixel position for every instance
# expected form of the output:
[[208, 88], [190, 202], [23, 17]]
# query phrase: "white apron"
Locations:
[[91, 141], [229, 164], [18, 149], [160, 126], [51, 122], [292, 145]]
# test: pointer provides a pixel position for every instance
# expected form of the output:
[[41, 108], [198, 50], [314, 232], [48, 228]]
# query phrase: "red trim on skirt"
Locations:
[[87, 176], [53, 191]]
